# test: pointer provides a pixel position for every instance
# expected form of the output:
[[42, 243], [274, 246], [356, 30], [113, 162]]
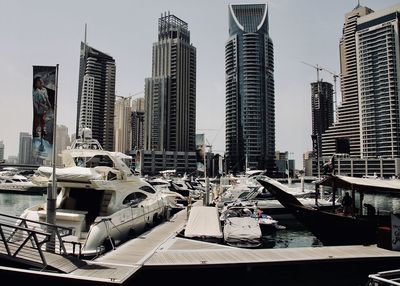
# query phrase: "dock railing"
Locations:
[[391, 277], [29, 240]]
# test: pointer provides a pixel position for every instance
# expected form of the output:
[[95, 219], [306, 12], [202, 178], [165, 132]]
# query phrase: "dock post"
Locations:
[[207, 202]]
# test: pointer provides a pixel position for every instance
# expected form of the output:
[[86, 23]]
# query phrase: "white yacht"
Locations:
[[100, 198], [13, 182]]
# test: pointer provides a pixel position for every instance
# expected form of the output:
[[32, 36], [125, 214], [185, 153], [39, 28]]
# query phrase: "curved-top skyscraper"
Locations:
[[250, 92]]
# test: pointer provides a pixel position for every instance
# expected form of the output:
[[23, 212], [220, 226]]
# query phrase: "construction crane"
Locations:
[[316, 67], [136, 93], [130, 95], [335, 76]]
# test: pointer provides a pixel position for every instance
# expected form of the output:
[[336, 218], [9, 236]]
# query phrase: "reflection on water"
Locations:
[[295, 235]]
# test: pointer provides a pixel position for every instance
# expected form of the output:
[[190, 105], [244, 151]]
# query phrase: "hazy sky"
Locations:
[[49, 33]]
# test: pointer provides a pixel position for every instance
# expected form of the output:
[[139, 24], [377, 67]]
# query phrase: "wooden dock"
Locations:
[[162, 248]]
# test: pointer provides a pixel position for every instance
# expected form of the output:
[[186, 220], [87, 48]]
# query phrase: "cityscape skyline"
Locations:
[[290, 21]]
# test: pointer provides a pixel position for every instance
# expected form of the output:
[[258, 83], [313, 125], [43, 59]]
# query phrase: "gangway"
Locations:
[[35, 244]]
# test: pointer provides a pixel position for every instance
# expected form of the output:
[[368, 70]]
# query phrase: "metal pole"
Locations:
[[207, 191], [52, 188]]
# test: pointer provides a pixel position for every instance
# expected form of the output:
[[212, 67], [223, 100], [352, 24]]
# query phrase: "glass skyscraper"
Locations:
[[378, 64], [96, 95], [344, 136], [170, 94], [322, 110], [250, 92]]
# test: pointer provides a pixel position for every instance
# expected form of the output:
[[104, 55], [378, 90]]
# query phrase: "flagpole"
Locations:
[[52, 189]]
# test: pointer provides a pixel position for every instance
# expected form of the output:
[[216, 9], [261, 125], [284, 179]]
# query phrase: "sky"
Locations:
[[48, 32]]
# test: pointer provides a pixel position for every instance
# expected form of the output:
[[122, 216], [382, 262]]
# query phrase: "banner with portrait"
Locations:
[[43, 98]]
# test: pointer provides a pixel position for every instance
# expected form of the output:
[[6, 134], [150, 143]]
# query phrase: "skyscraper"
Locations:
[[138, 124], [344, 136], [25, 148], [96, 95], [62, 142], [250, 92], [170, 94], [1, 151], [378, 64], [322, 110], [123, 130]]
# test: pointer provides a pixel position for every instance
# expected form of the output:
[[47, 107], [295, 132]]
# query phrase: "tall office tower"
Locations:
[[123, 130], [322, 110], [250, 92], [25, 148], [96, 95], [62, 142], [138, 104], [170, 94], [378, 64], [344, 136], [1, 151], [138, 124]]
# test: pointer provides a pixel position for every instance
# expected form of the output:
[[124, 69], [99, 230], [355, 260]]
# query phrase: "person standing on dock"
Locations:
[[347, 204]]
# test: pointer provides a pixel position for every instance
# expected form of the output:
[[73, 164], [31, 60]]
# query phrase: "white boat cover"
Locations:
[[79, 174], [203, 222], [242, 229]]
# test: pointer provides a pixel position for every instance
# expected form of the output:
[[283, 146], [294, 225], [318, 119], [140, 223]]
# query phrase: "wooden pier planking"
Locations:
[[62, 263], [136, 251], [176, 256]]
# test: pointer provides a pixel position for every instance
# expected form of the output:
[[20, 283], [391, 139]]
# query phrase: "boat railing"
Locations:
[[391, 277], [29, 240]]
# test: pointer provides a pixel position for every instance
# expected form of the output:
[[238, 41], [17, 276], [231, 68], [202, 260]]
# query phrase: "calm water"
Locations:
[[15, 204]]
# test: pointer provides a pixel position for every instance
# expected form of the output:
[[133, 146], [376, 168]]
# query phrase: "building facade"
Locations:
[[122, 125], [308, 162], [137, 124], [357, 167], [96, 95], [12, 160], [170, 94], [63, 140], [250, 92], [344, 136], [378, 64], [1, 151], [25, 148], [149, 162], [322, 110]]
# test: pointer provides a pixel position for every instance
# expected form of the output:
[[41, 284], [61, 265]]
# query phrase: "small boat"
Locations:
[[268, 225], [330, 228], [242, 231]]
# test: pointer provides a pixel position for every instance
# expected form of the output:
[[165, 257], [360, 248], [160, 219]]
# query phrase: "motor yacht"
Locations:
[[11, 181], [99, 198]]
